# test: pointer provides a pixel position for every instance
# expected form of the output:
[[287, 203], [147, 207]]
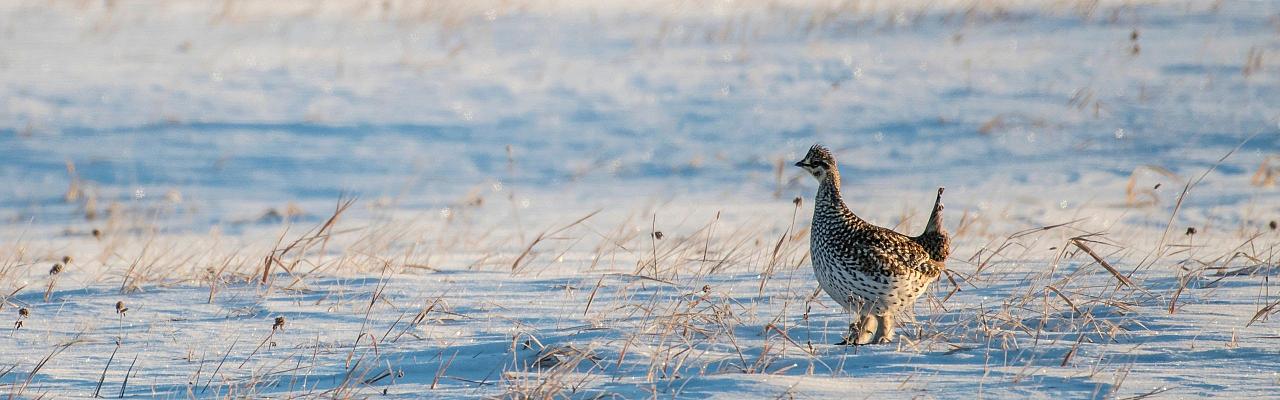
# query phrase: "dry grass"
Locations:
[[674, 299], [665, 295]]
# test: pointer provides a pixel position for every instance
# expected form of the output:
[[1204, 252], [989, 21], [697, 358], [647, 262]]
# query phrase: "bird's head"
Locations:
[[819, 162]]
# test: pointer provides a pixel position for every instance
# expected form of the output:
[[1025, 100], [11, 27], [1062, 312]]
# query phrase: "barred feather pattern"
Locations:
[[868, 270]]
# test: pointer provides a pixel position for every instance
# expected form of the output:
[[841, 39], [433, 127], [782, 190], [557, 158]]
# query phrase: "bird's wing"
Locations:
[[885, 252]]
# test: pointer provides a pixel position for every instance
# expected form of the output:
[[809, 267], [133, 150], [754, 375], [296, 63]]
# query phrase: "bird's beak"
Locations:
[[801, 164]]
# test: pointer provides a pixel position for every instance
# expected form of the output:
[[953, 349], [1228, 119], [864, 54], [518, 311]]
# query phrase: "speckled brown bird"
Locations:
[[874, 273]]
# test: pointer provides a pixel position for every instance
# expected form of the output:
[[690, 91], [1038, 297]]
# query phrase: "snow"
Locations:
[[198, 138]]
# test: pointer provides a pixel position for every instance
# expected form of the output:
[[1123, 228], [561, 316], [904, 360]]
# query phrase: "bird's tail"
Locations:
[[935, 217]]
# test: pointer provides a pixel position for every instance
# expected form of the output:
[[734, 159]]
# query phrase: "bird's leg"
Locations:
[[854, 328], [886, 329], [853, 306], [866, 329]]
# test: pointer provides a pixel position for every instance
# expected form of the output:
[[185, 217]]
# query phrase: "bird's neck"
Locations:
[[829, 204], [829, 190]]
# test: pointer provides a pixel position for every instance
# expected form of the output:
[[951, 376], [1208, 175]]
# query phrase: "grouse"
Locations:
[[874, 273]]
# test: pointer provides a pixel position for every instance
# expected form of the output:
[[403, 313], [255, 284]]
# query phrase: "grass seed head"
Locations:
[[66, 259], [1272, 225], [120, 308], [97, 234], [57, 269], [279, 323], [24, 312], [1191, 230]]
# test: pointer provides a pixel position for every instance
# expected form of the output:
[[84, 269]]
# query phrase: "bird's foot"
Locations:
[[861, 332], [851, 342], [862, 340], [855, 339]]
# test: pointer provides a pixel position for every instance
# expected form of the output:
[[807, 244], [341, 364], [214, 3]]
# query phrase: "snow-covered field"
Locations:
[[510, 163]]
